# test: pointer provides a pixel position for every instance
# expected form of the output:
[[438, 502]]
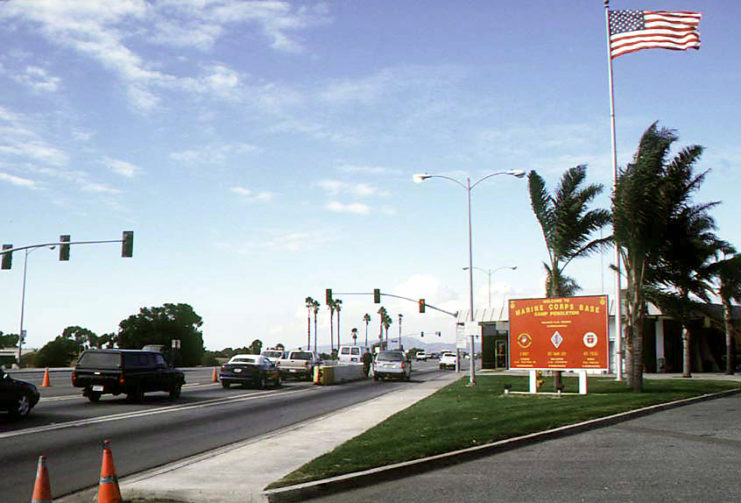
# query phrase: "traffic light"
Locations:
[[64, 248], [328, 298], [7, 257], [421, 334], [127, 244], [421, 305], [377, 295]]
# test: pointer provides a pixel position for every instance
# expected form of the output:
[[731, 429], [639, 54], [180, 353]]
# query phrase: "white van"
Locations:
[[351, 354]]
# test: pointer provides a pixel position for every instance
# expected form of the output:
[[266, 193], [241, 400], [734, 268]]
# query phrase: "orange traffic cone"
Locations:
[[45, 383], [215, 377], [41, 488], [108, 491]]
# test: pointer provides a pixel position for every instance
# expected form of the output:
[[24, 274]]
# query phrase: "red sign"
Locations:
[[558, 334]]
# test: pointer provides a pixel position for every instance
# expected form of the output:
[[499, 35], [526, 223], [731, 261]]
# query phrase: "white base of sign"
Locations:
[[582, 382], [533, 382]]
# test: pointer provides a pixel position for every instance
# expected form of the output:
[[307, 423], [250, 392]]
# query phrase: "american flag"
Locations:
[[633, 30]]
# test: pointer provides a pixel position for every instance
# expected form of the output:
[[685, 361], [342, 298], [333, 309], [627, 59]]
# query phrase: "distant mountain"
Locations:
[[407, 342]]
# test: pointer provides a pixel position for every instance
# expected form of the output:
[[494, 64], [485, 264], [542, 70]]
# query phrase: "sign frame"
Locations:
[[565, 333]]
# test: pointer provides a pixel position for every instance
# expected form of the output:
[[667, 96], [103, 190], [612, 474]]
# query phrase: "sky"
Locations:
[[263, 151]]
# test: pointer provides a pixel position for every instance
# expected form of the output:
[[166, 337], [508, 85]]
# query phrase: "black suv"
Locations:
[[17, 397], [130, 371]]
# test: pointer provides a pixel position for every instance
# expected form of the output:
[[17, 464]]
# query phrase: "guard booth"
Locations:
[[494, 345]]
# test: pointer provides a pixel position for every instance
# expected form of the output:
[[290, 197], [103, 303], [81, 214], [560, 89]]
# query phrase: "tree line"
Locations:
[[152, 325]]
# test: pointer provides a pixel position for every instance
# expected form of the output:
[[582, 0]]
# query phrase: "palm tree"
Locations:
[[387, 321], [567, 225], [684, 269], [338, 308], [651, 194], [330, 304], [354, 333], [309, 307], [366, 319], [728, 273], [315, 306], [383, 315]]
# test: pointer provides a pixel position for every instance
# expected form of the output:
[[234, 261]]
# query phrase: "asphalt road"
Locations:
[[69, 430], [688, 454]]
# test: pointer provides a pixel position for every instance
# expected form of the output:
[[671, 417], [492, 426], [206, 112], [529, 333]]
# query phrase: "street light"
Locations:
[[400, 317], [468, 186], [490, 273], [23, 298]]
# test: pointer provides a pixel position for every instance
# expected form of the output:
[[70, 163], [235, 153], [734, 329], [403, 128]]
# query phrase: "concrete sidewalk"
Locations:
[[239, 472]]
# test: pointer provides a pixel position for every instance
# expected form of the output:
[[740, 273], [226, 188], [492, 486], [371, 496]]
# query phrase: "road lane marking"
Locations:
[[150, 412]]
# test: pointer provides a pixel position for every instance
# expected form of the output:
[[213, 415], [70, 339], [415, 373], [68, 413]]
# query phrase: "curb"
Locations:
[[323, 487]]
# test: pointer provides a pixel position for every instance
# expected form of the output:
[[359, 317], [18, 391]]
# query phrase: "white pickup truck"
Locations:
[[299, 364]]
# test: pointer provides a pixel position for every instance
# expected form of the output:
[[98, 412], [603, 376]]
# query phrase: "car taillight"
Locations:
[[74, 378], [121, 381], [306, 364], [403, 364]]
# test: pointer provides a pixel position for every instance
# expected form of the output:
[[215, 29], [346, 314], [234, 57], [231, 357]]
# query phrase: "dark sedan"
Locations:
[[250, 370], [17, 397]]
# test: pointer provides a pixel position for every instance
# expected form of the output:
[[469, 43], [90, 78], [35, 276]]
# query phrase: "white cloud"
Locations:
[[414, 81], [123, 168], [356, 208], [368, 170], [99, 188], [38, 80], [102, 31], [212, 154], [16, 180], [336, 187], [36, 150], [252, 196], [290, 241]]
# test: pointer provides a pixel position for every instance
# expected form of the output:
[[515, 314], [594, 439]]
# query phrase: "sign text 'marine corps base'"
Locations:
[[558, 334]]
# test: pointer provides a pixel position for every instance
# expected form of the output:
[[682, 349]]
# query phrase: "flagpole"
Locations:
[[617, 302]]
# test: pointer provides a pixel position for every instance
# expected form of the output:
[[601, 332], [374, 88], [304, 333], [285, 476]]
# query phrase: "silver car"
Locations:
[[391, 364]]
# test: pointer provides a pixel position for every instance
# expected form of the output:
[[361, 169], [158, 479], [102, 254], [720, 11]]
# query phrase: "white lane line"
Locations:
[[149, 412]]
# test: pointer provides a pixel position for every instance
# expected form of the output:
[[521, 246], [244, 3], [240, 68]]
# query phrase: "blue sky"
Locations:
[[264, 151]]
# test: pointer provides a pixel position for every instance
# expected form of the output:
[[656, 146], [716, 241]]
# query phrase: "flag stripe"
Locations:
[[632, 31]]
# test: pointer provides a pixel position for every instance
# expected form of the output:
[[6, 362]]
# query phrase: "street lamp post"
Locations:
[[490, 273], [400, 317], [468, 186], [23, 299]]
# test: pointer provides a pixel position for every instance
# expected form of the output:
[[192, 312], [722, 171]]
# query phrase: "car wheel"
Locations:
[[94, 396], [175, 392], [262, 384], [22, 406], [278, 382], [224, 384]]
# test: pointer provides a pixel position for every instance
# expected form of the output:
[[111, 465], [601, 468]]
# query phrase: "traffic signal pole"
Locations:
[[64, 244]]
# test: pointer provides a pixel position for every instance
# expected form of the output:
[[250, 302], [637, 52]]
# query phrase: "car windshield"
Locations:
[[301, 355], [390, 356], [102, 360], [244, 359]]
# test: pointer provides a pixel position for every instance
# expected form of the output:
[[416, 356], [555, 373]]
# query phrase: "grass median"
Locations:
[[457, 417]]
